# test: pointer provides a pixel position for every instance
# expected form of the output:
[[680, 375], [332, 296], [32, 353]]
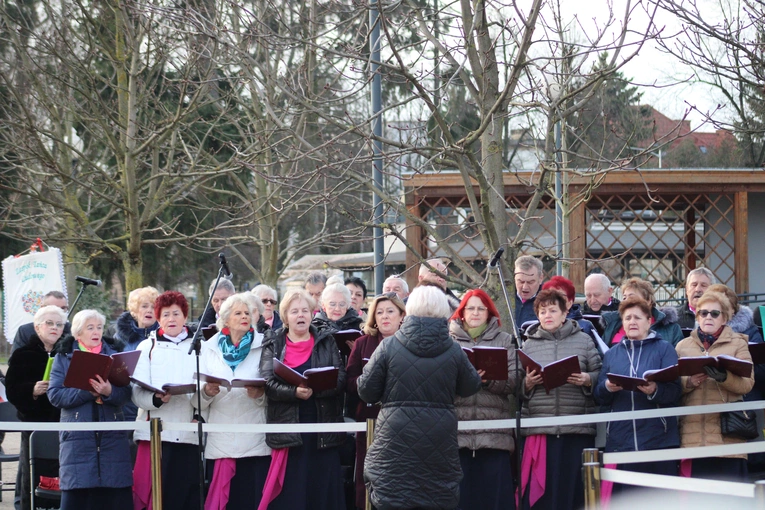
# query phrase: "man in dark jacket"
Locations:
[[599, 295], [528, 283], [416, 374], [696, 284]]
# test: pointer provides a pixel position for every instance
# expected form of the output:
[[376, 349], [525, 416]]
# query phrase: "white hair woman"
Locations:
[[26, 386], [336, 312], [267, 296], [96, 470], [308, 463], [241, 459], [415, 375]]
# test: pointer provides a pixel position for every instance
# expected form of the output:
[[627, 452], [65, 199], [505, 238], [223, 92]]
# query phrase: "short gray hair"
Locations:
[[223, 284], [404, 285], [82, 317], [243, 298], [602, 279], [336, 288], [261, 291], [428, 301], [314, 278], [45, 310], [703, 271], [526, 262]]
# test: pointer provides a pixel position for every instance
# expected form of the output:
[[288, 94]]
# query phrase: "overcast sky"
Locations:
[[651, 66]]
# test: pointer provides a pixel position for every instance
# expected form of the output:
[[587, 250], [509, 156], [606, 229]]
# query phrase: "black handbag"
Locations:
[[740, 424]]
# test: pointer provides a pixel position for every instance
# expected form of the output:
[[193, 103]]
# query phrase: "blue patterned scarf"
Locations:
[[233, 355]]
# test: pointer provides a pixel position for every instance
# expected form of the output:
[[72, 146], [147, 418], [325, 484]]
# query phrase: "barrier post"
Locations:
[[759, 494], [591, 478], [370, 438], [156, 463]]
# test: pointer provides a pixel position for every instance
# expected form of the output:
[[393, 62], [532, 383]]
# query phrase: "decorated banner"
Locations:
[[26, 279]]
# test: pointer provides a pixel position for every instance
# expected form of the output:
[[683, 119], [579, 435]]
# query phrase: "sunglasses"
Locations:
[[714, 313], [268, 301]]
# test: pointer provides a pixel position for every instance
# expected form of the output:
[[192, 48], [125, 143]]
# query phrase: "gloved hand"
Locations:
[[717, 374]]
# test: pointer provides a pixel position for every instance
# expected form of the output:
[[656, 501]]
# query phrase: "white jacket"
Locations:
[[165, 363], [233, 406]]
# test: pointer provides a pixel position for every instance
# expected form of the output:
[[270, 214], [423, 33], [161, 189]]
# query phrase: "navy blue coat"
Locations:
[[524, 312], [90, 459], [648, 434]]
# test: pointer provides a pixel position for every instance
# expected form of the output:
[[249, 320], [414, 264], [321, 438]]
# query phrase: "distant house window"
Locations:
[[703, 149]]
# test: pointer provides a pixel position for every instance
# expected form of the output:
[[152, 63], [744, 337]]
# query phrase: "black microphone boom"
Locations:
[[496, 257], [224, 264], [88, 281]]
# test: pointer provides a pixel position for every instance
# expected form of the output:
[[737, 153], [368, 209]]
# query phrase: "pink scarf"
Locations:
[[606, 489], [220, 487], [533, 469], [275, 478], [142, 477]]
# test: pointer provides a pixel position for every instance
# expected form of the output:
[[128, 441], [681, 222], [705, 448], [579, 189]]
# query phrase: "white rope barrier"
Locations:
[[361, 427], [743, 490], [696, 452]]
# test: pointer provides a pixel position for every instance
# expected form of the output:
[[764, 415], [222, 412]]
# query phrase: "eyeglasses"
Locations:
[[52, 324], [473, 309], [268, 301], [714, 313], [337, 305]]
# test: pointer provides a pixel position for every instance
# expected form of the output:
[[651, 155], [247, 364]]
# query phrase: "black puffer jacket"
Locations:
[[351, 320], [416, 375], [283, 405]]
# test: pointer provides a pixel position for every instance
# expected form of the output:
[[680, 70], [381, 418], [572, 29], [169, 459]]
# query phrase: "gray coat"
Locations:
[[492, 402], [569, 399], [416, 374]]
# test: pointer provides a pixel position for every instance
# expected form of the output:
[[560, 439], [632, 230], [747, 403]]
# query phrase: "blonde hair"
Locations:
[[719, 298], [642, 287], [138, 296], [370, 328], [294, 295]]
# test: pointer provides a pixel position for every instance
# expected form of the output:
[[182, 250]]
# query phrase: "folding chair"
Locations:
[[7, 413], [43, 446]]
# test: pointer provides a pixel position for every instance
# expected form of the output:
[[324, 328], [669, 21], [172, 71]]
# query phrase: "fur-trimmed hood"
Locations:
[[663, 316], [66, 345], [742, 320]]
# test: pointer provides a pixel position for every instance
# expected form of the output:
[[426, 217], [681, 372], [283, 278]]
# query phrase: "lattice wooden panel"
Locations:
[[455, 224], [662, 240]]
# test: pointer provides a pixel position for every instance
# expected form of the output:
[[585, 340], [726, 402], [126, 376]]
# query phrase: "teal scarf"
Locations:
[[233, 355]]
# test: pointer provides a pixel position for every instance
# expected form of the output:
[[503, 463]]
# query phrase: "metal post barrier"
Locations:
[[370, 438], [156, 463], [591, 478], [759, 494]]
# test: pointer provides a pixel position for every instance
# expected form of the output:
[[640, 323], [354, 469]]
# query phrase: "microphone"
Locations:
[[88, 281], [496, 257], [224, 265]]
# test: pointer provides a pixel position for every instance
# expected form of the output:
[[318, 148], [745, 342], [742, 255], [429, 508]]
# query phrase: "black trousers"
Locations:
[[97, 498]]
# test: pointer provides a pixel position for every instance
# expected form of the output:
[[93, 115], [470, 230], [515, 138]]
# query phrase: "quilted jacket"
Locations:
[[492, 402], [704, 429], [633, 358], [416, 374], [283, 405], [87, 458], [569, 399]]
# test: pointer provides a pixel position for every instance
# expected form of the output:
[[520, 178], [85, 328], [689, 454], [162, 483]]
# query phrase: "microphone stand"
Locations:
[[196, 346], [74, 305], [519, 401]]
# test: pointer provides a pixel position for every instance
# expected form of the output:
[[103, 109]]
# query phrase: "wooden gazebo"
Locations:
[[657, 223]]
